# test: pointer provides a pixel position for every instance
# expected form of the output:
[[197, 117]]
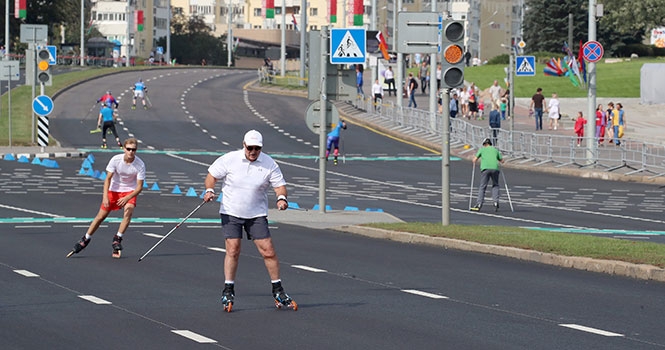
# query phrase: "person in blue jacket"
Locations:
[[106, 121], [333, 141]]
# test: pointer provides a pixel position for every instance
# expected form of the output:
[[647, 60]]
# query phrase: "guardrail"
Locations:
[[632, 156]]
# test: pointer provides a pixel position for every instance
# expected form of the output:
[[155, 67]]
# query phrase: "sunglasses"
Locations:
[[130, 149], [253, 148]]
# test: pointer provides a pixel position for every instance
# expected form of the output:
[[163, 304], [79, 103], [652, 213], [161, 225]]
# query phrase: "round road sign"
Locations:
[[592, 51]]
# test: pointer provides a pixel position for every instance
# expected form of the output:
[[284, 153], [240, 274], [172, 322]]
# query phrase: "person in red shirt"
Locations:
[[601, 122], [579, 127]]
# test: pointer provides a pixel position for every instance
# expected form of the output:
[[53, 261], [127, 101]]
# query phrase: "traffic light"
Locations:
[[452, 64], [43, 67]]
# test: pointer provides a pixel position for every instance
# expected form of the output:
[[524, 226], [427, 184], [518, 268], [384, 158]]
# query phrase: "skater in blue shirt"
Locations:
[[333, 140], [107, 117], [139, 92]]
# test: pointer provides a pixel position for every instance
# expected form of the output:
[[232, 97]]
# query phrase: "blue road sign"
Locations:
[[525, 66], [592, 51], [42, 105], [160, 50], [348, 45], [52, 53]]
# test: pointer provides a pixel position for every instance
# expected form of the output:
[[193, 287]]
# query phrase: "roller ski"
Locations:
[[117, 247], [79, 246], [283, 300], [227, 297]]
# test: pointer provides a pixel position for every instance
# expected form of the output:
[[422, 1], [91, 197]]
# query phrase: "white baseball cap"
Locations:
[[253, 138]]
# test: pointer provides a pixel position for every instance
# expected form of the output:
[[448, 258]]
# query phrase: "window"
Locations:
[[313, 11], [257, 12], [278, 10]]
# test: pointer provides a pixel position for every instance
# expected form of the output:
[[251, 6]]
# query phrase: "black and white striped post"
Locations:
[[42, 131], [42, 105]]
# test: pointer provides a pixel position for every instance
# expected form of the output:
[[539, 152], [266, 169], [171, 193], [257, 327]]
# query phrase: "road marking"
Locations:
[[424, 294], [153, 235], [94, 299], [590, 330], [217, 249], [308, 268], [193, 336], [26, 273]]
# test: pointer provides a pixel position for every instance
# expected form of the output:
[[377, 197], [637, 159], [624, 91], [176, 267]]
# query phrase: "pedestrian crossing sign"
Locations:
[[348, 45], [525, 66]]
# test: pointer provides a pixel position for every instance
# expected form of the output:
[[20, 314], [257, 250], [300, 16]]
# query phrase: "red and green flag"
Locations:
[[333, 11], [20, 9], [358, 10], [139, 20], [270, 8]]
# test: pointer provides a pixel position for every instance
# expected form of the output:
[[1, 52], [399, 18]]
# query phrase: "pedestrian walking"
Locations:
[[377, 93], [246, 176], [412, 85], [389, 75], [554, 112], [106, 121], [536, 106], [495, 123], [125, 174], [490, 158], [579, 127], [601, 122], [359, 81]]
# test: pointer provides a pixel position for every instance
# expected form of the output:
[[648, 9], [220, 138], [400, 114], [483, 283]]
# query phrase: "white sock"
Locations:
[[229, 282], [275, 281], [87, 236], [119, 234]]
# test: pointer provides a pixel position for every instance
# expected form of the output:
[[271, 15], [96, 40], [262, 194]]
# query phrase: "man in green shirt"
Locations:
[[490, 158]]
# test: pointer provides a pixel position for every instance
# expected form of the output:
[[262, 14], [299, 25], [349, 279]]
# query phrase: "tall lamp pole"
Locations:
[[82, 32]]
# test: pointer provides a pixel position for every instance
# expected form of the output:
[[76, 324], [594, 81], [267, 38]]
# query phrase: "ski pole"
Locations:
[[473, 172], [173, 229], [507, 192], [87, 114]]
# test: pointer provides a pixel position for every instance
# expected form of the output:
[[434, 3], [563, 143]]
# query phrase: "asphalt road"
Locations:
[[353, 292]]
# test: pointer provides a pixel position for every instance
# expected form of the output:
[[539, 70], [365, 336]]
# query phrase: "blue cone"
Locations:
[[102, 175], [23, 159], [176, 190], [35, 161], [155, 187], [90, 158], [348, 208], [191, 192], [9, 156], [82, 171], [86, 164]]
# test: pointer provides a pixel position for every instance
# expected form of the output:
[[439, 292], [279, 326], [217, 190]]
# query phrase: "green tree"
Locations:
[[192, 41], [623, 23]]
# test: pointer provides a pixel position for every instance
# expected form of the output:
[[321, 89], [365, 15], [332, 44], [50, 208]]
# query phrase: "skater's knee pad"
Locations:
[[336, 152]]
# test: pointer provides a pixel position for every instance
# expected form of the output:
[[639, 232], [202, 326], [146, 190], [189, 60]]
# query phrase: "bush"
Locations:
[[501, 59]]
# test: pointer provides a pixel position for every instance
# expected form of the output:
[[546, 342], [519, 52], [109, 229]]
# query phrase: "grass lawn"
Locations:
[[567, 244], [621, 79]]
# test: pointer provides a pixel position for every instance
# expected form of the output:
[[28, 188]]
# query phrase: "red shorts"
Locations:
[[113, 200]]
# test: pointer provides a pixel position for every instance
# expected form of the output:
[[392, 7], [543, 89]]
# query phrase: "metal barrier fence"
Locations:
[[632, 156], [269, 76]]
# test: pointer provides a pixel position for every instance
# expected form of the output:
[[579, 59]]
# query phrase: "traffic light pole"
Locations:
[[445, 159], [33, 49]]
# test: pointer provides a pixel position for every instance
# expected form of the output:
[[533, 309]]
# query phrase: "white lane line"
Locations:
[[94, 299], [153, 235], [193, 336], [32, 226], [26, 273], [424, 294], [217, 249], [308, 268], [591, 330], [30, 211]]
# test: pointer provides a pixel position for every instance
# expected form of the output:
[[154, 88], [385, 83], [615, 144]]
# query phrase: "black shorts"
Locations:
[[256, 228]]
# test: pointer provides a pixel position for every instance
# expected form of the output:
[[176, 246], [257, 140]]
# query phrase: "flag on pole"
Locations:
[[383, 46], [333, 11], [295, 23], [270, 8], [580, 59], [20, 9], [358, 11]]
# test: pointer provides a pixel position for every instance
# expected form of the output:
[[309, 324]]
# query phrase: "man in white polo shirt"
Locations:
[[246, 176]]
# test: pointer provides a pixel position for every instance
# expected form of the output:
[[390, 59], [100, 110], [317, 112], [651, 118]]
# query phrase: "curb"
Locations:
[[610, 267]]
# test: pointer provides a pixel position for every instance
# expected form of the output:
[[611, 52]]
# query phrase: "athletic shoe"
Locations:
[[117, 247], [475, 207], [145, 107], [133, 106], [82, 243], [496, 206], [103, 145]]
